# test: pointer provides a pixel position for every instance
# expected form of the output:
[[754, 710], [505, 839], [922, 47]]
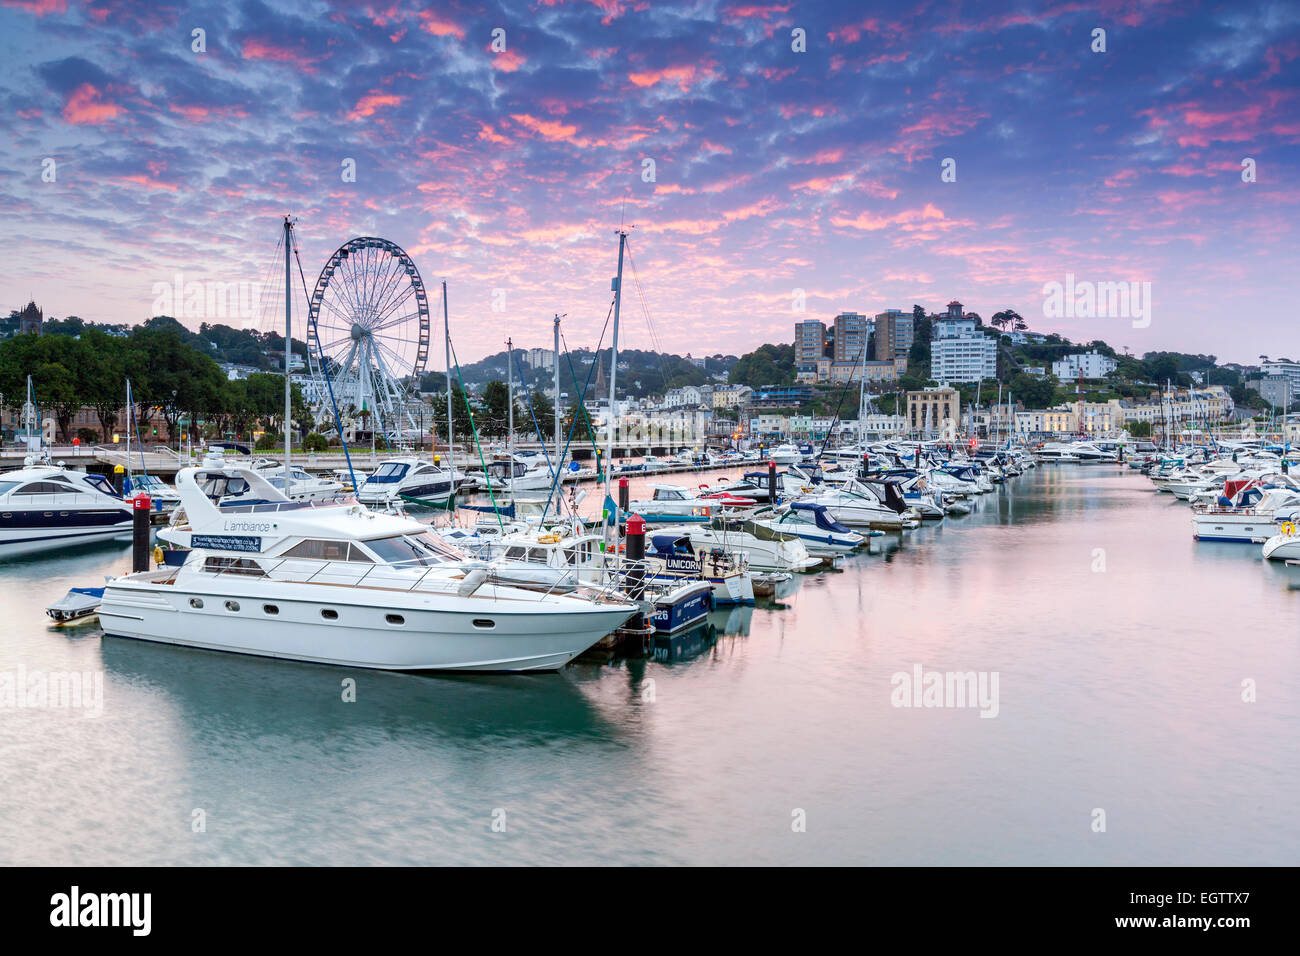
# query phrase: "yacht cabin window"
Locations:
[[234, 566], [7, 486], [45, 488], [321, 550]]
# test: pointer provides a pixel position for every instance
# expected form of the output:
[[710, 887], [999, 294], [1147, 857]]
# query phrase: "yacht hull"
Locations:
[[20, 541], [431, 636]]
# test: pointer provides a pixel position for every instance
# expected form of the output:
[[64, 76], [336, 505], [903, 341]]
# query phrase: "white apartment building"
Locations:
[[961, 353], [541, 358], [1088, 364], [687, 395]]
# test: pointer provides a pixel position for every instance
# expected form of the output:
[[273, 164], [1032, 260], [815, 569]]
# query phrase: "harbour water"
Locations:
[[1120, 647]]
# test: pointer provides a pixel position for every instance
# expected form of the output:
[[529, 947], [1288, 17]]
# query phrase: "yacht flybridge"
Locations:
[[334, 583]]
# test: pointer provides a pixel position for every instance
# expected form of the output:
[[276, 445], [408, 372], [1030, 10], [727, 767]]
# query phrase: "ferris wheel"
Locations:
[[369, 327]]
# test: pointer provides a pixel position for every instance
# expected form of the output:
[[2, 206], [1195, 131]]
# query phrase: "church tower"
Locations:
[[30, 320]]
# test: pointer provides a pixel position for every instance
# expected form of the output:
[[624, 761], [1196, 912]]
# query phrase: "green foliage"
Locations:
[[1139, 429], [1032, 391], [766, 365], [316, 442], [169, 377]]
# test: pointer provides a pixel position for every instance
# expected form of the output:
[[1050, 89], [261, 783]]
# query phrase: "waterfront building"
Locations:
[[781, 396], [894, 334], [962, 353], [934, 411], [731, 396], [686, 395], [1089, 365], [851, 333], [809, 341]]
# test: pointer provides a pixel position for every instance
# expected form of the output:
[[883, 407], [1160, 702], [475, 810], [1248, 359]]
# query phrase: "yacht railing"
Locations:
[[262, 568], [272, 507]]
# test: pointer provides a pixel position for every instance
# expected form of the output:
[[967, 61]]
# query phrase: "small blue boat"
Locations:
[[680, 607]]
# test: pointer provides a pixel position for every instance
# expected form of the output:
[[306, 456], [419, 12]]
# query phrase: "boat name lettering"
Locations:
[[247, 526]]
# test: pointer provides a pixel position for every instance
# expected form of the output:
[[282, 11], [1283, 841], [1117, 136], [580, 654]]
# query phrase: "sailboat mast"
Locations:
[[130, 418], [613, 362], [862, 388], [288, 351], [446, 341], [510, 402], [555, 368]]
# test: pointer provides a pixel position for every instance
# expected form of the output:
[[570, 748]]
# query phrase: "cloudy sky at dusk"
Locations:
[[775, 170]]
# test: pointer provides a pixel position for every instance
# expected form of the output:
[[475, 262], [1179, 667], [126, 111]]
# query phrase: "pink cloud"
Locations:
[[372, 101], [39, 7], [255, 48], [86, 106], [430, 22], [507, 61]]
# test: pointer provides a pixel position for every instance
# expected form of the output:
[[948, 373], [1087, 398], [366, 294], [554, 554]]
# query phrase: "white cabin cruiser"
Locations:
[[304, 487], [45, 507], [859, 505], [815, 526], [763, 548], [675, 503], [1283, 546], [407, 479], [338, 584], [516, 474], [785, 455], [1246, 512]]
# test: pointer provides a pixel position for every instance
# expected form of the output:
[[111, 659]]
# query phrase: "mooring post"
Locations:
[[140, 505], [635, 545]]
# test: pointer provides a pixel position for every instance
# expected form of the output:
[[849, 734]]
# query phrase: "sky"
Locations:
[[772, 162]]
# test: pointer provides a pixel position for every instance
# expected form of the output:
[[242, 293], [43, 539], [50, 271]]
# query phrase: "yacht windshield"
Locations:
[[422, 548], [392, 471], [7, 486]]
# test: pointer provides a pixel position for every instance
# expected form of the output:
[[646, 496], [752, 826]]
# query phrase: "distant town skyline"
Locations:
[[769, 156]]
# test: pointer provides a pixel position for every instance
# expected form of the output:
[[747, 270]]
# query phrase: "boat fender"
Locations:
[[157, 555], [548, 539]]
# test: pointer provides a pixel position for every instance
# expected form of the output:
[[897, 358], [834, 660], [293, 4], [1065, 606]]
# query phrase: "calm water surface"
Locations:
[[1120, 643]]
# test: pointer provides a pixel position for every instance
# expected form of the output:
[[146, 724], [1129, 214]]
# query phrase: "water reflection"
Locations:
[[237, 696]]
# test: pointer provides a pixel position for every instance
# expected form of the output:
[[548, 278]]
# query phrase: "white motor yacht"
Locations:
[[675, 503], [338, 584], [44, 507], [407, 479], [763, 548], [859, 505], [304, 487]]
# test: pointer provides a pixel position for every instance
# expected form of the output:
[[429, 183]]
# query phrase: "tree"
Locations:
[[496, 405], [1033, 391], [766, 365], [102, 377], [544, 412], [460, 418]]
